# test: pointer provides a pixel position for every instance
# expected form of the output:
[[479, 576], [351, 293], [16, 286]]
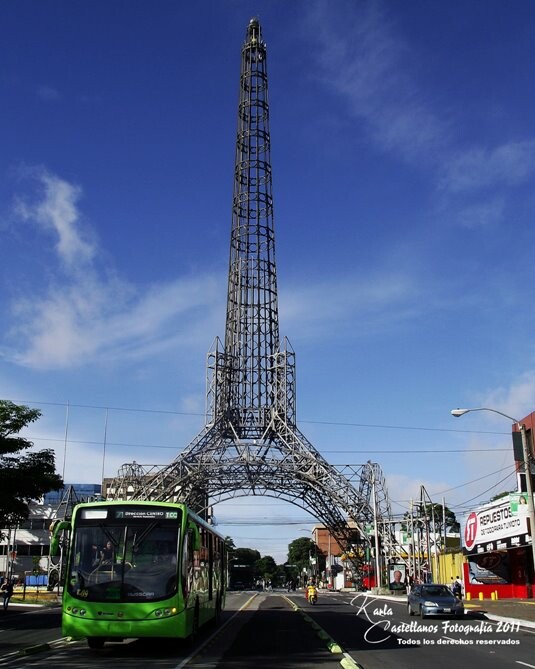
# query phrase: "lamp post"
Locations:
[[376, 535], [312, 561], [527, 469]]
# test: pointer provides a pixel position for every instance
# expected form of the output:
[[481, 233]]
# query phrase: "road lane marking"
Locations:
[[347, 661], [218, 631]]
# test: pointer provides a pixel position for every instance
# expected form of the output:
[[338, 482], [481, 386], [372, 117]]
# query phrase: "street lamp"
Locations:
[[527, 469], [312, 561]]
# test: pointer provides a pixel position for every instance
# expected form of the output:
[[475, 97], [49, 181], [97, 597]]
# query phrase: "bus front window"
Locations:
[[124, 562]]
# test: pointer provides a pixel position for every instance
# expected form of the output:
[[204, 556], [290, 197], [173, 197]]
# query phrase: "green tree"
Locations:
[[266, 568], [427, 512], [500, 495], [282, 575], [300, 551], [246, 556], [230, 546], [243, 566], [23, 476]]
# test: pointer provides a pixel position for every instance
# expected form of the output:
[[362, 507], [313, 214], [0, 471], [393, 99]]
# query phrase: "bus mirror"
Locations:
[[54, 546], [56, 528], [196, 536]]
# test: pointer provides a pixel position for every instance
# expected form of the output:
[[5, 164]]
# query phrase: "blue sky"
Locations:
[[403, 170]]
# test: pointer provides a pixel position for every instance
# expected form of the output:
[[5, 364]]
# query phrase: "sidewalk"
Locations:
[[521, 610]]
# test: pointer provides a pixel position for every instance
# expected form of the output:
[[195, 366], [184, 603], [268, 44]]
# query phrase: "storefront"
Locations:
[[496, 543]]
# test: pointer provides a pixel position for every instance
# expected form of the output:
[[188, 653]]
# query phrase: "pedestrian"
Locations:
[[7, 592], [457, 588]]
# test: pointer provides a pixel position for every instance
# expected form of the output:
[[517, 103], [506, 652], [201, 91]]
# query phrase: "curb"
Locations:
[[347, 661], [31, 650], [40, 647], [511, 621]]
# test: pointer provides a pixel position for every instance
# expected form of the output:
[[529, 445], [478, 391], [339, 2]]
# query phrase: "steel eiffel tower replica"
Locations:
[[250, 443]]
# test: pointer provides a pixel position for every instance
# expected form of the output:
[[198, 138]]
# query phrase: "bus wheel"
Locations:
[[95, 642]]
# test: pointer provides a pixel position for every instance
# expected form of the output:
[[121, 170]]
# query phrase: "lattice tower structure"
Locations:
[[57, 563], [250, 443]]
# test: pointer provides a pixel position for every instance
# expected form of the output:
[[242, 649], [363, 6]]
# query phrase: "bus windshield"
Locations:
[[124, 557]]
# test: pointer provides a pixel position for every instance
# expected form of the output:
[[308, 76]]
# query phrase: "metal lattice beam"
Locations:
[[250, 444]]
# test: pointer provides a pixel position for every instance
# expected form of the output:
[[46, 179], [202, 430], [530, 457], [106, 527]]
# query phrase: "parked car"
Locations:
[[434, 599]]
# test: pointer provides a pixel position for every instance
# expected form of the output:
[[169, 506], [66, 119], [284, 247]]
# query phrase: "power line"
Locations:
[[485, 491], [311, 422], [97, 406], [324, 450], [316, 422], [462, 485]]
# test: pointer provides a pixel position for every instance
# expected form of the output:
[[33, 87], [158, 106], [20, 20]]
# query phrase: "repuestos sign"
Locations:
[[494, 527]]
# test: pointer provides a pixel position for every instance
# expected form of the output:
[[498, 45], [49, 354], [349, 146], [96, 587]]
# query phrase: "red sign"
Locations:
[[470, 531]]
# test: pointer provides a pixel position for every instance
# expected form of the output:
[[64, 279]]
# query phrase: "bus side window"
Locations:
[[186, 564]]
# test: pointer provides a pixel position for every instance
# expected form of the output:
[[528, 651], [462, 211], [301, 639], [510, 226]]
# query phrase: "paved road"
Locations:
[[380, 634], [258, 630], [23, 626], [267, 630]]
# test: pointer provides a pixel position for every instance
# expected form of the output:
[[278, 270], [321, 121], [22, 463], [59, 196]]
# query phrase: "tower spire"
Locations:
[[252, 323]]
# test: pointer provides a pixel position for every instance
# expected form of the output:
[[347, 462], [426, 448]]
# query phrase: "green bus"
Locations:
[[139, 569]]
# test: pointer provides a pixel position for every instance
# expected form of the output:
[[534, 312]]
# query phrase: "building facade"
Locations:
[[497, 537], [25, 549], [496, 543]]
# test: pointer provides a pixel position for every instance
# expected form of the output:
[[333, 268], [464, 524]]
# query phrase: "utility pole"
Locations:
[[412, 541], [376, 534], [444, 536]]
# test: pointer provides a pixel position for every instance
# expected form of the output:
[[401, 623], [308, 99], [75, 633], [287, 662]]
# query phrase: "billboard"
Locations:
[[489, 569], [397, 577], [497, 526]]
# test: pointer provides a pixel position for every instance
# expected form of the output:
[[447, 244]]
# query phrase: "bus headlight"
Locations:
[[165, 612]]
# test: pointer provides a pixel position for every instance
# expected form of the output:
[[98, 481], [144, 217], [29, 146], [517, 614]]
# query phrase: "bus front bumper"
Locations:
[[79, 627]]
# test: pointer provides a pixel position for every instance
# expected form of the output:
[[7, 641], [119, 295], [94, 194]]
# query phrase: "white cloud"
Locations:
[[401, 489], [483, 473], [363, 61], [48, 93], [94, 320], [84, 317], [516, 401], [195, 404], [507, 165], [482, 214], [322, 307], [56, 209], [489, 473]]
